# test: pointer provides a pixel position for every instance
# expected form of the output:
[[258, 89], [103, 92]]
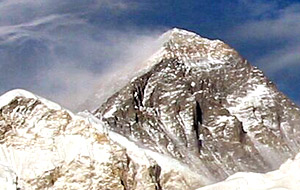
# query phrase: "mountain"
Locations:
[[193, 114], [204, 105]]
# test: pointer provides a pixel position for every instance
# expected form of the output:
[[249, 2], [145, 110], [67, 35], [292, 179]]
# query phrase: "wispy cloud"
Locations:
[[98, 66], [19, 11], [278, 28], [280, 59], [284, 23], [258, 8], [50, 48]]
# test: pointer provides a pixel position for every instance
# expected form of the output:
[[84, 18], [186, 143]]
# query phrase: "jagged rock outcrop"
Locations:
[[203, 104]]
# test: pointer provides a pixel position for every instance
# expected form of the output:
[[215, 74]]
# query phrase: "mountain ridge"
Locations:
[[77, 151]]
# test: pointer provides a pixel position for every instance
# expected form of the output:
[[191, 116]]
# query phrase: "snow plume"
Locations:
[[53, 49]]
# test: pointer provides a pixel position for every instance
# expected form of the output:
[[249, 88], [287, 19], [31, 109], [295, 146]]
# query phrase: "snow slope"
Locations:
[[287, 177]]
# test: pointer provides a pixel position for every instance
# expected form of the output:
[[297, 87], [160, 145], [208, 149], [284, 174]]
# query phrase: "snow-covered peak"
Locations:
[[192, 50], [181, 37], [175, 32], [10, 95], [7, 97]]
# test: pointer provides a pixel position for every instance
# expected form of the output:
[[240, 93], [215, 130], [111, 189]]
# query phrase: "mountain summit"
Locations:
[[195, 113]]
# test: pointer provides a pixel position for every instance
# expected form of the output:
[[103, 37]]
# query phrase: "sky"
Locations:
[[64, 50]]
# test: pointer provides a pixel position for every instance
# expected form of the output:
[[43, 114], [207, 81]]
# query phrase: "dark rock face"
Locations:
[[204, 105]]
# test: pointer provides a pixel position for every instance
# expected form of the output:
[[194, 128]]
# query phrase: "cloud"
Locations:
[[277, 29], [257, 8], [98, 68], [19, 11], [285, 25], [51, 48], [280, 59]]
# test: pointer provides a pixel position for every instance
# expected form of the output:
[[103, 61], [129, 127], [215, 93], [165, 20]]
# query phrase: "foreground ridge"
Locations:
[[43, 146]]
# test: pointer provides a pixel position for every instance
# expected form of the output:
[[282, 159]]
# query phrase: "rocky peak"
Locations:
[[188, 45], [187, 48], [206, 106], [193, 50]]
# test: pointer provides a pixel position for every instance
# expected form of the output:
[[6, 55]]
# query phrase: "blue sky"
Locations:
[[59, 49]]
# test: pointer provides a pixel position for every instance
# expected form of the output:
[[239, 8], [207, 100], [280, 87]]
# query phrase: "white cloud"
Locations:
[[282, 23], [280, 59], [257, 7], [76, 79], [19, 11], [279, 28], [61, 56]]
